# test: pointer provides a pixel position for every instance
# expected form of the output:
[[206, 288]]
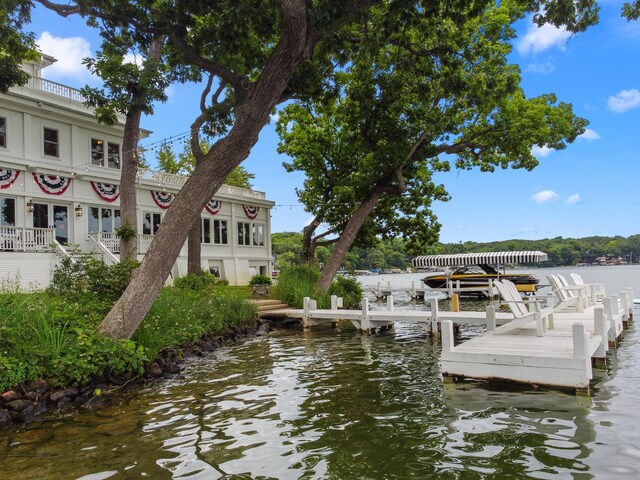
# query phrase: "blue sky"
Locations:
[[590, 188]]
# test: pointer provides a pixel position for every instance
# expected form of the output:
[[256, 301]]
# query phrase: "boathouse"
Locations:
[[59, 175]]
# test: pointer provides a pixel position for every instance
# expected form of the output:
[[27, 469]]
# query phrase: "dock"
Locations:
[[557, 352]]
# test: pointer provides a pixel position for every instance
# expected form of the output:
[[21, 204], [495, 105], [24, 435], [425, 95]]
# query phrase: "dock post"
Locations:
[[491, 318], [414, 294], [334, 302], [455, 302], [600, 328], [379, 291], [434, 317], [390, 303], [305, 313], [624, 305], [630, 296], [447, 338], [608, 312], [364, 323], [580, 352]]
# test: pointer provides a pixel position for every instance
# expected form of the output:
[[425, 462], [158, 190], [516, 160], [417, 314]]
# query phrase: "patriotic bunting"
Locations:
[[8, 177], [162, 199], [213, 206], [52, 184], [106, 191], [251, 211]]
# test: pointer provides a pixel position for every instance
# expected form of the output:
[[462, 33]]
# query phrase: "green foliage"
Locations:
[[82, 275], [126, 231], [349, 289], [297, 282], [192, 281], [183, 315], [260, 280]]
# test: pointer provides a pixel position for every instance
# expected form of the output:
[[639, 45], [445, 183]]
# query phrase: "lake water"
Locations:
[[345, 406]]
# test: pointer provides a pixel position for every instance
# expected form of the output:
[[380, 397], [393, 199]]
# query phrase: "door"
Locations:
[[46, 215]]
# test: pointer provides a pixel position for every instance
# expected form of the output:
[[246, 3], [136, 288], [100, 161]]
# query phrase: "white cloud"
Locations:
[[624, 100], [275, 117], [133, 58], [541, 68], [590, 135], [573, 199], [542, 152], [69, 52], [538, 39], [545, 196]]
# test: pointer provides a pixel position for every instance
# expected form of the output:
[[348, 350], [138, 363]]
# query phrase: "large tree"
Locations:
[[442, 92], [262, 54]]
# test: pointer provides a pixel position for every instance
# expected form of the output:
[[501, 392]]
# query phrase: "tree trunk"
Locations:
[[128, 174], [194, 252], [347, 238], [308, 245], [207, 178]]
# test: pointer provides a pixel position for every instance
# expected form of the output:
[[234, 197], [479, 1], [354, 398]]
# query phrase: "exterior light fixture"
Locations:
[[78, 211], [30, 206]]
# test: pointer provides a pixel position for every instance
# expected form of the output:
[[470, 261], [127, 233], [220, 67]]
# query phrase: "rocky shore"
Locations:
[[24, 403]]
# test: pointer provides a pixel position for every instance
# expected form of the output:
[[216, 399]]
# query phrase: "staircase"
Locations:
[[269, 308]]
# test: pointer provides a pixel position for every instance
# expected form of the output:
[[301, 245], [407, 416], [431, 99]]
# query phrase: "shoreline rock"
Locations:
[[23, 403]]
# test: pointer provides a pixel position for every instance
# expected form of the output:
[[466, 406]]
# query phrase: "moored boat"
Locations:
[[471, 273]]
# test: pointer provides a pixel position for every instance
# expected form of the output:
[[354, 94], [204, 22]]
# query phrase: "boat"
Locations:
[[470, 274]]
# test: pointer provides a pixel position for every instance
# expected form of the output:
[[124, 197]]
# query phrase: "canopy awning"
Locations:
[[485, 258]]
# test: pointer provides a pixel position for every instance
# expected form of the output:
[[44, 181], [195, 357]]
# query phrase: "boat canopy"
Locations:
[[484, 258]]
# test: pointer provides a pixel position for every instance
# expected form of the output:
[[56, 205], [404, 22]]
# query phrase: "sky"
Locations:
[[589, 188]]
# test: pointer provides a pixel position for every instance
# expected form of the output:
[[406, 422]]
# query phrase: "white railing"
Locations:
[[164, 179], [23, 239], [111, 243], [55, 88], [107, 255]]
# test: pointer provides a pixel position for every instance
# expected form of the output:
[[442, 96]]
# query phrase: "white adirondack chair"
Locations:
[[569, 298], [596, 291], [543, 317]]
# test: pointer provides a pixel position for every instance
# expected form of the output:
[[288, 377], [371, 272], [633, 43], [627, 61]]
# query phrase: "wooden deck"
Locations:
[[512, 348]]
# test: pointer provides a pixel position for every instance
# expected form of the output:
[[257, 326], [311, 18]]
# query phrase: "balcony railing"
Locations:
[[163, 179], [55, 88], [23, 239]]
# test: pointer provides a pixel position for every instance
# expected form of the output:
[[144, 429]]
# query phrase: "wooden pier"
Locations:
[[535, 346]]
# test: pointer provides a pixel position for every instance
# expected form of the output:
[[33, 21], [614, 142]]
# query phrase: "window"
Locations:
[[7, 212], [104, 220], [113, 151], [250, 234], [151, 223], [98, 151], [3, 132], [244, 233], [51, 142], [258, 235], [219, 231]]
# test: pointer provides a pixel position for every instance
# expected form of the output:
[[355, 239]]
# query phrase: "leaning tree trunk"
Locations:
[[347, 238], [208, 177], [308, 245], [194, 249], [129, 245]]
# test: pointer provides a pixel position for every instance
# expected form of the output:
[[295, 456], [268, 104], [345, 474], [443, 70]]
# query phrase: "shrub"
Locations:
[[260, 280], [192, 281], [349, 289], [297, 282]]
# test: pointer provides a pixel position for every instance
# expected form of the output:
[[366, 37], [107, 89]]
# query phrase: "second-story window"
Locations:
[[51, 145], [3, 132], [150, 223], [98, 153]]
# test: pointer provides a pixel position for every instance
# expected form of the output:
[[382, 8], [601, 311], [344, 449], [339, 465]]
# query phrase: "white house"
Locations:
[[59, 175]]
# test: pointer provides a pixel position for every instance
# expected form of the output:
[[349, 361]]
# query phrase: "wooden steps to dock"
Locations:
[[271, 308]]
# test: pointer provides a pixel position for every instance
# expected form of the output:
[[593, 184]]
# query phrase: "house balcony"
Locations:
[[55, 88], [111, 242]]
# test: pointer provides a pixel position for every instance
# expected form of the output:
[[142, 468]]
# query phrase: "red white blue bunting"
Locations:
[[213, 206], [106, 191], [52, 184], [8, 177], [162, 199], [251, 211]]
